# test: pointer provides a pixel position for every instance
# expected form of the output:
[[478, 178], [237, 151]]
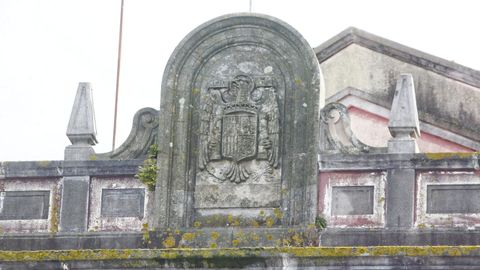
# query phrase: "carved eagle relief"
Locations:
[[239, 129]]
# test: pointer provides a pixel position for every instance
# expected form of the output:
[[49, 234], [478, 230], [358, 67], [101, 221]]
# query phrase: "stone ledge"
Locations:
[[232, 237], [399, 237], [385, 257], [43, 169], [265, 252], [421, 161], [415, 257]]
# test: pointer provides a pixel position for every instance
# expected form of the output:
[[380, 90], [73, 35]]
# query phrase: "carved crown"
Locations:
[[243, 92], [238, 96]]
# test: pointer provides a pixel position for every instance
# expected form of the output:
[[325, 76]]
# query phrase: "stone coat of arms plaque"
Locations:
[[238, 125], [239, 128]]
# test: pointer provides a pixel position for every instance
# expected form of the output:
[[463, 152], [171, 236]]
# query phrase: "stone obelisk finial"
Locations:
[[81, 128], [403, 123]]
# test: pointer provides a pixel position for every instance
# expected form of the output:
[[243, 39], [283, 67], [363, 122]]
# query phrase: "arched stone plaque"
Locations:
[[238, 130]]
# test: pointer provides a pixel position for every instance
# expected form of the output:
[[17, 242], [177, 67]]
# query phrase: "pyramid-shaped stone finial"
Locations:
[[403, 124], [81, 128]]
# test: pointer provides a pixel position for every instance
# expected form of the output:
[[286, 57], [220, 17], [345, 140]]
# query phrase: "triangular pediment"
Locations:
[[447, 93], [398, 51], [369, 122]]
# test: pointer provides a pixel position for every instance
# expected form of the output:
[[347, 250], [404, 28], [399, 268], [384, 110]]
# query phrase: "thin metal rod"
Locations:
[[250, 7], [118, 76]]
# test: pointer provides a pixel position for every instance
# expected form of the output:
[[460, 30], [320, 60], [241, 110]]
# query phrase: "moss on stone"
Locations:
[[55, 209], [447, 155], [186, 253], [214, 235], [145, 234], [43, 163], [169, 242], [188, 236], [278, 213], [269, 222]]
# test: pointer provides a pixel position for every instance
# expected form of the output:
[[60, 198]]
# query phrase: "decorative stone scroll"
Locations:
[[238, 124], [142, 135], [336, 135]]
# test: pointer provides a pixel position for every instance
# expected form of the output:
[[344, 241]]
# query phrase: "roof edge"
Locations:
[[398, 51], [440, 128]]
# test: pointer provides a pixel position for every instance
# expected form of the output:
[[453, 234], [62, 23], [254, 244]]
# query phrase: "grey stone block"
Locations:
[[400, 198], [17, 205], [127, 202], [352, 200], [244, 196], [74, 206], [447, 199], [403, 145], [79, 152]]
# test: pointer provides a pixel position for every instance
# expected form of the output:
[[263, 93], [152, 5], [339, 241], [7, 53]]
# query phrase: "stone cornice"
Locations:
[[398, 51]]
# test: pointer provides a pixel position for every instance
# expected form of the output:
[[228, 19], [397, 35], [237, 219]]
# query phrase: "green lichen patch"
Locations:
[[54, 218], [169, 242], [265, 252], [449, 155], [43, 163], [145, 234]]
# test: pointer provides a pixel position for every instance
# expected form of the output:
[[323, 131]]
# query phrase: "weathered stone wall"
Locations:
[[29, 205], [437, 194], [352, 199], [74, 196], [448, 199], [376, 73]]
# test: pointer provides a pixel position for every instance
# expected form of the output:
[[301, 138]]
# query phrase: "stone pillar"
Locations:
[[74, 207], [81, 128], [400, 198], [404, 127], [75, 189]]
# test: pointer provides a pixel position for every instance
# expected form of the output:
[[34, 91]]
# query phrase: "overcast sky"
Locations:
[[48, 46]]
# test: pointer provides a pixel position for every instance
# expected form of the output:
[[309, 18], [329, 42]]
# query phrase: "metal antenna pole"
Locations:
[[250, 7], [118, 76]]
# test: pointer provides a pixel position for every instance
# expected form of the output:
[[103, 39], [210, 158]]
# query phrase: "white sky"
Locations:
[[48, 46]]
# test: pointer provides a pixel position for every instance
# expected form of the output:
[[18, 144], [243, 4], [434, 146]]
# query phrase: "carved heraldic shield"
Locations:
[[239, 129]]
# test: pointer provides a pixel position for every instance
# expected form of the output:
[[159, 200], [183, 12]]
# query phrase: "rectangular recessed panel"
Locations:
[[123, 202], [448, 199], [17, 205], [352, 200]]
